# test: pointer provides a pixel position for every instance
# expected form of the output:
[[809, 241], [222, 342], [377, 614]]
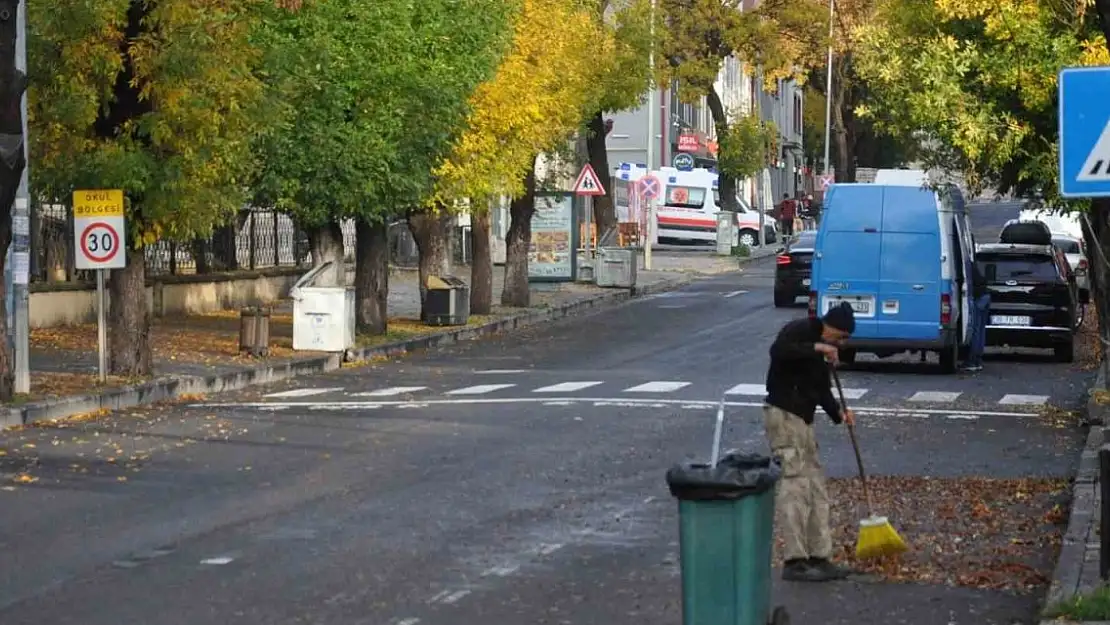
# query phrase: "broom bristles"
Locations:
[[877, 538]]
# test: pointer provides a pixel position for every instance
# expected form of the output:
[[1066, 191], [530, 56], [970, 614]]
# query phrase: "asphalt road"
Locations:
[[516, 480]]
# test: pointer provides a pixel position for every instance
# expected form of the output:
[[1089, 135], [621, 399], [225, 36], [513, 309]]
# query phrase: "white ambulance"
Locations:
[[689, 206]]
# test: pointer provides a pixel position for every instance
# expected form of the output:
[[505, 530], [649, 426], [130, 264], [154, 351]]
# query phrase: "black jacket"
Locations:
[[798, 378], [978, 282]]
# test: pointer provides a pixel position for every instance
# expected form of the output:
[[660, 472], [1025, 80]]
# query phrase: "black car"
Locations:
[[1034, 297], [793, 268]]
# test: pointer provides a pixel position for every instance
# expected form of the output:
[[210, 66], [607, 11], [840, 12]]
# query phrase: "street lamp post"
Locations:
[[828, 90]]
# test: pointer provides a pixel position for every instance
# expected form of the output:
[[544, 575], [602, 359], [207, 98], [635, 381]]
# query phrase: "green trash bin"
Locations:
[[726, 532]]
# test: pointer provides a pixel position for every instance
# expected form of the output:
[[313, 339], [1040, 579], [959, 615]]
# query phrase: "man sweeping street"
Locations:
[[797, 382]]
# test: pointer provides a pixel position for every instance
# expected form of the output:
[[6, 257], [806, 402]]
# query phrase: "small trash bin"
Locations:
[[616, 267], [726, 533], [447, 301], [254, 331]]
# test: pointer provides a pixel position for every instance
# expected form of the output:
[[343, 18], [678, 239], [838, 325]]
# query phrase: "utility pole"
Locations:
[[828, 89], [650, 138]]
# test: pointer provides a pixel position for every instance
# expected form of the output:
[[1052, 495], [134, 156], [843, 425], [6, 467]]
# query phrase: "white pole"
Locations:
[[21, 230], [828, 90], [102, 326], [650, 135]]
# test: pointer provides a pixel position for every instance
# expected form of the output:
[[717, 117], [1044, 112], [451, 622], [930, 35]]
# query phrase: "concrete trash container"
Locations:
[[726, 232], [446, 302], [616, 267], [254, 331], [726, 534]]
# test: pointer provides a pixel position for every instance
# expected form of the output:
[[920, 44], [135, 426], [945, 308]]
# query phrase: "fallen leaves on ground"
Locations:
[[1057, 417], [1088, 349], [976, 532]]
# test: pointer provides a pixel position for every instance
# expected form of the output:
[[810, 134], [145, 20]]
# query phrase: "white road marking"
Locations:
[[854, 393], [408, 621], [304, 392], [390, 392], [501, 571], [747, 389], [548, 549], [597, 401], [502, 371], [735, 293], [480, 389], [221, 560], [566, 387], [934, 396], [439, 596], [1024, 400], [453, 597], [657, 387]]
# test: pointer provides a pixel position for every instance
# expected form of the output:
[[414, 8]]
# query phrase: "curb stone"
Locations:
[[1095, 411], [171, 387], [1082, 530]]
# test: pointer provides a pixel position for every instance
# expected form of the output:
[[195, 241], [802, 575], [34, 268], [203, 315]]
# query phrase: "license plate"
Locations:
[[1010, 320], [805, 281], [861, 307]]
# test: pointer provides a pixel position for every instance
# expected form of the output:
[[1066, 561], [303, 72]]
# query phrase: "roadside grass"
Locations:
[[1092, 606]]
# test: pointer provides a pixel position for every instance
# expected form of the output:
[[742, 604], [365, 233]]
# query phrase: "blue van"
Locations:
[[901, 254]]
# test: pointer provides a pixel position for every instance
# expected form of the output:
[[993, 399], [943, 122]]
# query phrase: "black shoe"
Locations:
[[802, 571], [834, 571]]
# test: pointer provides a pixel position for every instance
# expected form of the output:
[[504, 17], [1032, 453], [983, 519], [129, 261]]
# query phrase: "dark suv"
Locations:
[[794, 268], [1034, 298]]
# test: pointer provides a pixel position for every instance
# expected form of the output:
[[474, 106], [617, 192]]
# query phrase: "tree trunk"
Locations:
[[481, 268], [431, 231], [845, 162], [1098, 239], [725, 180], [199, 250], [518, 243], [605, 212], [129, 318], [12, 85], [1103, 9], [372, 276], [327, 245]]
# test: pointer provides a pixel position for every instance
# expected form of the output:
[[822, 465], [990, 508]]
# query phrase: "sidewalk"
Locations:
[[1076, 571], [199, 354]]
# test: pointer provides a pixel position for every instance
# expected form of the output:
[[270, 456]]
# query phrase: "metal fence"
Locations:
[[257, 239]]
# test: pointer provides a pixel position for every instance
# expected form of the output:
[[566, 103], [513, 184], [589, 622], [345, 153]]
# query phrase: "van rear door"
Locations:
[[910, 281], [847, 268]]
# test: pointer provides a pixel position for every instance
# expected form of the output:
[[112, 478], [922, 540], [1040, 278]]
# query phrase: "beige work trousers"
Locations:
[[801, 499]]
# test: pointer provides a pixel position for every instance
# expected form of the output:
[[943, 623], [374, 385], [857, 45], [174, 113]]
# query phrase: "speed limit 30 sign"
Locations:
[[98, 225]]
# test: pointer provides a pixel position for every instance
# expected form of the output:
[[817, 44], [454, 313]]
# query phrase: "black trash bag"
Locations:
[[737, 475]]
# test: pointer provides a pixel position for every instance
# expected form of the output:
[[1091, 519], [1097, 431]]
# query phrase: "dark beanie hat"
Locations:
[[842, 318]]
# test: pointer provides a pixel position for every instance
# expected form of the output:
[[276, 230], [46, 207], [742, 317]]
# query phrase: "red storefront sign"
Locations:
[[688, 143]]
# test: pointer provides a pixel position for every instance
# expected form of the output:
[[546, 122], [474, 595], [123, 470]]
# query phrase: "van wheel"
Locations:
[[847, 357], [948, 359], [1065, 352], [749, 238]]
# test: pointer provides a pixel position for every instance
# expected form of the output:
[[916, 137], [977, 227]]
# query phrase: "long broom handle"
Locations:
[[855, 444]]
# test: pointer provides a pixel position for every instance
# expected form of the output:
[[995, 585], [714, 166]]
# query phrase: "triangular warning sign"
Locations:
[[1097, 166], [588, 183]]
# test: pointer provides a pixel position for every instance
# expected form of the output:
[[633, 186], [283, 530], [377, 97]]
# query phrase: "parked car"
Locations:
[[1034, 298], [1025, 231], [1076, 252], [793, 268]]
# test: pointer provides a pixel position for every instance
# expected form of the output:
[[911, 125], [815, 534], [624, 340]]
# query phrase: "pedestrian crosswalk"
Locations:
[[650, 388]]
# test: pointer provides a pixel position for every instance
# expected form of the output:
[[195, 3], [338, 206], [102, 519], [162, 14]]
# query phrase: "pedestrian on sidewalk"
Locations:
[[798, 381], [787, 211], [980, 310]]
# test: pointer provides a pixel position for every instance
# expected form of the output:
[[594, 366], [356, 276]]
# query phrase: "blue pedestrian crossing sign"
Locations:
[[1084, 119]]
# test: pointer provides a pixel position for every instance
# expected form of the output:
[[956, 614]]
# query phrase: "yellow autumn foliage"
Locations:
[[537, 99]]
